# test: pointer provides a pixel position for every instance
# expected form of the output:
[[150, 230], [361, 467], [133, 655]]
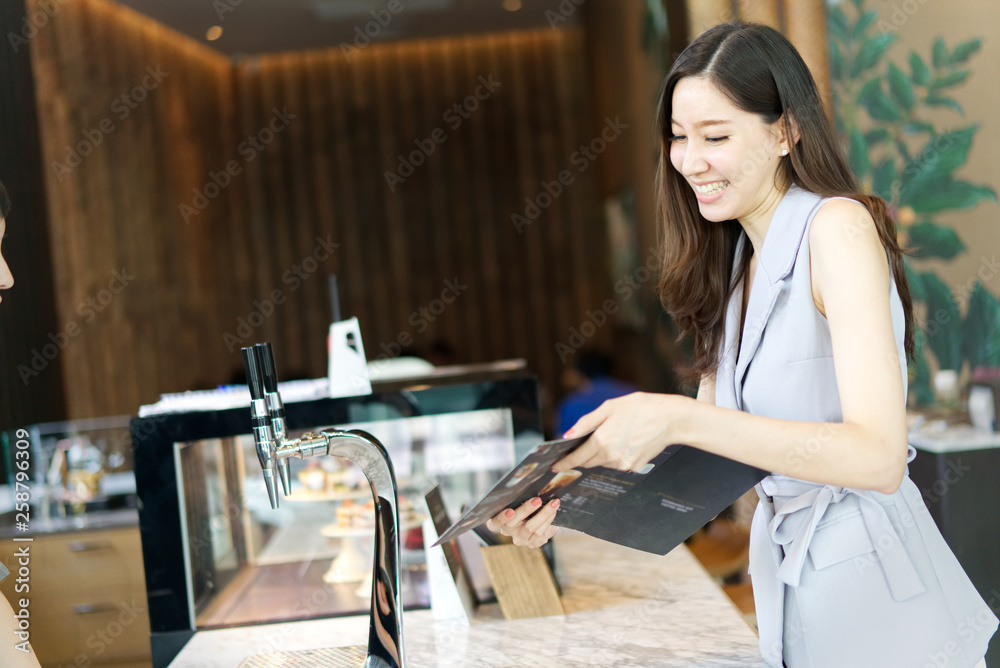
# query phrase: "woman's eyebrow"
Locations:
[[699, 124]]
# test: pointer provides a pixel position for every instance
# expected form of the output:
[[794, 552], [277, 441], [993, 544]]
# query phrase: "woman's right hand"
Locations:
[[527, 531]]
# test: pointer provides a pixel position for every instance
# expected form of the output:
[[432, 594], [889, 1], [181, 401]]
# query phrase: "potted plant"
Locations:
[[879, 109]]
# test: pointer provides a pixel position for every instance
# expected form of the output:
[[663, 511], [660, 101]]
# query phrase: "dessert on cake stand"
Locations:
[[354, 528]]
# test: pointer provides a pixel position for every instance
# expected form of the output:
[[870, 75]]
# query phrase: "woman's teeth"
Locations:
[[712, 188]]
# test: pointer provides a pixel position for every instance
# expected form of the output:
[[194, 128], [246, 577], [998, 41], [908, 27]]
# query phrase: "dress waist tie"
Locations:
[[792, 526], [810, 502]]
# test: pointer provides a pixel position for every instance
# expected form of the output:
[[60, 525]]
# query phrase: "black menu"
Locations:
[[654, 510]]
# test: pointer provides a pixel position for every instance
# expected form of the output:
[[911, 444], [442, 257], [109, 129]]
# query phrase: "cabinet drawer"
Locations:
[[87, 597], [92, 560], [69, 633]]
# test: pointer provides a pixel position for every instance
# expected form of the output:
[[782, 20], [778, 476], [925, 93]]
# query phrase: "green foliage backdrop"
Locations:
[[880, 110]]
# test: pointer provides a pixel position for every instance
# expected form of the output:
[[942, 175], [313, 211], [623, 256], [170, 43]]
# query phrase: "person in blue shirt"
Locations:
[[591, 378]]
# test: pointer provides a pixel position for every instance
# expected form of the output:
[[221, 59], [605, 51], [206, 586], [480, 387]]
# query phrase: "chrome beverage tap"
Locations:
[[276, 409], [385, 635]]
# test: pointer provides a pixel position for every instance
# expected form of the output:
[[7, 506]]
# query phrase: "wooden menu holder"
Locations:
[[522, 581]]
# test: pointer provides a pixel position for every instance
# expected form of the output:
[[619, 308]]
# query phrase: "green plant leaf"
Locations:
[[903, 150], [837, 23], [920, 73], [940, 156], [916, 283], [871, 51], [981, 329], [916, 127], [899, 86], [656, 18], [857, 153], [836, 62], [943, 325], [919, 373], [939, 53], [648, 31], [950, 80], [949, 195], [881, 108], [940, 101], [934, 240], [877, 136], [864, 23], [883, 178], [964, 50], [857, 4], [869, 90], [877, 103]]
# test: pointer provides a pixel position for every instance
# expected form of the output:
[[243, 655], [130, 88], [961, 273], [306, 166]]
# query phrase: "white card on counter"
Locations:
[[348, 368]]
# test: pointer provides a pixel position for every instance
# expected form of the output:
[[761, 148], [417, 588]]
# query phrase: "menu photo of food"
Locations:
[[521, 483]]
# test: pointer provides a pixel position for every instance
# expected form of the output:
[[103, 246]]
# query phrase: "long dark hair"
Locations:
[[4, 202], [762, 73]]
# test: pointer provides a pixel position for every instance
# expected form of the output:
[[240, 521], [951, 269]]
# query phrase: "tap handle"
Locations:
[[275, 408], [269, 373], [269, 376], [261, 418], [255, 380]]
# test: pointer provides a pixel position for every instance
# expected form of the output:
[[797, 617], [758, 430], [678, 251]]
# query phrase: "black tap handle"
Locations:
[[255, 381], [269, 373]]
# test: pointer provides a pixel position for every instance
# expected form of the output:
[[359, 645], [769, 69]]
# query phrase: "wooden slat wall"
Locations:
[[119, 209], [452, 217], [27, 314], [321, 177]]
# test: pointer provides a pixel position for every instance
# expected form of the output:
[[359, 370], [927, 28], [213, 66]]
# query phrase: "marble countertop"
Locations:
[[624, 608], [940, 438]]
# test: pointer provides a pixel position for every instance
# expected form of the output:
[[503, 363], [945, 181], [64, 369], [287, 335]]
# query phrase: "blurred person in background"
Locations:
[[590, 384]]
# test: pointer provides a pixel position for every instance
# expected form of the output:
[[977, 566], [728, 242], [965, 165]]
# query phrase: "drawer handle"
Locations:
[[93, 608], [88, 545]]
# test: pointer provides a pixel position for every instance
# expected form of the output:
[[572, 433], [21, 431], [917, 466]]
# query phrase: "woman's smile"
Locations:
[[709, 192]]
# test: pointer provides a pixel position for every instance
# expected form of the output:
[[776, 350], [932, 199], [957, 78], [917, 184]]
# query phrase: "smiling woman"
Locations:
[[790, 281]]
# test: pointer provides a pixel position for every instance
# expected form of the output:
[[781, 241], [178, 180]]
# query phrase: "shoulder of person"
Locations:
[[844, 246], [844, 229]]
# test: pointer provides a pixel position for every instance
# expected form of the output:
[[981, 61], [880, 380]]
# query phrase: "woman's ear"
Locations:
[[788, 124]]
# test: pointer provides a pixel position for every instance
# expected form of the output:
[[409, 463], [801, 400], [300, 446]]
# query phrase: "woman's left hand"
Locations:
[[631, 430]]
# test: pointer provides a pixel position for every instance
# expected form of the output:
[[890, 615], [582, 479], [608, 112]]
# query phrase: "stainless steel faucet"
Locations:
[[385, 635]]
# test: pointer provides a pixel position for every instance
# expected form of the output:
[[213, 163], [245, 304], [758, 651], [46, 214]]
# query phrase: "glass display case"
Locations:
[[251, 564], [216, 554], [75, 467]]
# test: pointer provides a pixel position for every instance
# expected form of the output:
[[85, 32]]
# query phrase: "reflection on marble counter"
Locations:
[[623, 608]]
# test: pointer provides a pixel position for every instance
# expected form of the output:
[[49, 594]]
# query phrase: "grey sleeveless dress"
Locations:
[[842, 578]]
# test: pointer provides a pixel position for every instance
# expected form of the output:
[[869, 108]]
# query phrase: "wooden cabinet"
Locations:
[[87, 598]]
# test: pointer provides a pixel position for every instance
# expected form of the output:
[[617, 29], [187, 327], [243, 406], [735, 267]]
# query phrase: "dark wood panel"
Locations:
[[197, 282], [117, 212], [452, 216], [27, 314]]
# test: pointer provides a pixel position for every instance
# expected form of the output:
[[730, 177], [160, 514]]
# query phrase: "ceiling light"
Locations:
[[213, 33], [512, 5]]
